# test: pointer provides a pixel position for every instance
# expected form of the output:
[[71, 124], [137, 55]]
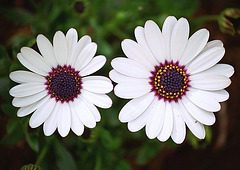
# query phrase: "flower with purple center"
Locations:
[[173, 81], [58, 88]]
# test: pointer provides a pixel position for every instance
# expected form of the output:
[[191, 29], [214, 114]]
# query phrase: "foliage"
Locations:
[[108, 22]]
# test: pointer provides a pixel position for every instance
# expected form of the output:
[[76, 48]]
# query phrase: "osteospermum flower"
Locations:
[[59, 89], [173, 80]]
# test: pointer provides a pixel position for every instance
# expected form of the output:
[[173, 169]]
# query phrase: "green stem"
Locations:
[[42, 154], [98, 162], [44, 150]]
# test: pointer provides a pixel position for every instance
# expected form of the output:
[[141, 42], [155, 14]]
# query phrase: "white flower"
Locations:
[[59, 90], [172, 80]]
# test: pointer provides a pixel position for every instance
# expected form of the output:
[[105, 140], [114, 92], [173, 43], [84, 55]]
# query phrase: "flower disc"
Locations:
[[169, 81], [63, 83]]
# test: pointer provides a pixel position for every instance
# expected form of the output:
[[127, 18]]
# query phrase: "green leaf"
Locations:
[[108, 141], [14, 132], [3, 52], [12, 125], [8, 109], [123, 165], [19, 40], [148, 151], [200, 143], [178, 8], [5, 62], [4, 87], [32, 140], [64, 158], [18, 15]]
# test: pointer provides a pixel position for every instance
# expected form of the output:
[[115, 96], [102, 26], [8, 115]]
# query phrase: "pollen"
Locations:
[[169, 81], [63, 83]]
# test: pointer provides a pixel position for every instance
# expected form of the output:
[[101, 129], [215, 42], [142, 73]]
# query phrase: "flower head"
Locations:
[[173, 80], [58, 88]]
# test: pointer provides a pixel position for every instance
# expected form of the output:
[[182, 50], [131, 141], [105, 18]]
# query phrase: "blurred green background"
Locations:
[[110, 146]]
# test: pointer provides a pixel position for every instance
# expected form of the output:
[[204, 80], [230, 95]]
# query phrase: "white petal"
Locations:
[[203, 116], [71, 37], [142, 119], [24, 111], [141, 39], [167, 125], [25, 101], [100, 100], [179, 128], [85, 56], [220, 95], [135, 107], [76, 124], [94, 65], [155, 123], [35, 59], [194, 46], [218, 69], [214, 82], [135, 52], [140, 36], [223, 69], [121, 78], [64, 119], [167, 28], [205, 60], [60, 48], [76, 49], [26, 77], [212, 44], [50, 125], [155, 40], [196, 128], [129, 90], [46, 49], [93, 109], [130, 68], [138, 123], [118, 77], [179, 38], [84, 113], [203, 100], [29, 65], [27, 89], [97, 84], [42, 113]]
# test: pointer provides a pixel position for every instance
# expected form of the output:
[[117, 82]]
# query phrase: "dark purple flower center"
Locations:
[[63, 83], [169, 81]]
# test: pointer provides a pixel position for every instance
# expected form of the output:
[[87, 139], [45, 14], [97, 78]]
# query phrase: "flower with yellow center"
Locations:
[[171, 79]]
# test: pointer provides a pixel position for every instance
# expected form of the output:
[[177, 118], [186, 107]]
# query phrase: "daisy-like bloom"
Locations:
[[173, 80], [58, 88]]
